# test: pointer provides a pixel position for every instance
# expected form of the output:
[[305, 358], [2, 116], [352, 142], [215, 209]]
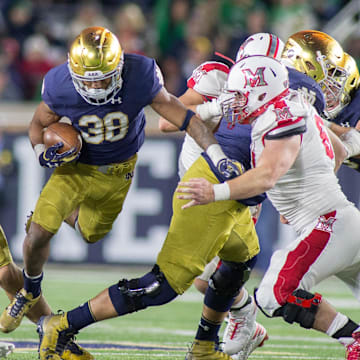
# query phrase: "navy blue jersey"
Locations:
[[350, 114], [235, 141], [112, 132], [310, 88]]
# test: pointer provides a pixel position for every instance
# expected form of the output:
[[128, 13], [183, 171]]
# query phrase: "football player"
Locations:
[[205, 84], [242, 334], [322, 58], [293, 161], [103, 92]]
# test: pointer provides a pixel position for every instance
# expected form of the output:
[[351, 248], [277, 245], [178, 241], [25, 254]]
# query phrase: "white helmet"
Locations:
[[253, 84], [261, 44]]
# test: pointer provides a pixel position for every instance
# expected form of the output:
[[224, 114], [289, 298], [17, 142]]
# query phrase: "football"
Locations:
[[65, 133]]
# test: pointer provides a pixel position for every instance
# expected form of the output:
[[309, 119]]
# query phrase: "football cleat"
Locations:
[[6, 349], [240, 328], [353, 349], [11, 317], [205, 350], [55, 335], [257, 340], [74, 351]]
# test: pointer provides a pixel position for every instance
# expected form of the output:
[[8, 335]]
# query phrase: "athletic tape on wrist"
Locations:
[[221, 191], [215, 153]]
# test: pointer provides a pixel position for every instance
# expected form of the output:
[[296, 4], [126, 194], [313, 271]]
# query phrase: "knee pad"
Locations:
[[229, 278], [301, 307], [132, 295], [225, 284]]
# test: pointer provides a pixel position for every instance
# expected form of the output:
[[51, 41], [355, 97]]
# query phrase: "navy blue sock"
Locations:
[[207, 330], [32, 285], [80, 317]]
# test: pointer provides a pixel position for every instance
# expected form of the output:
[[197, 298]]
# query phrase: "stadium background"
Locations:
[[179, 34]]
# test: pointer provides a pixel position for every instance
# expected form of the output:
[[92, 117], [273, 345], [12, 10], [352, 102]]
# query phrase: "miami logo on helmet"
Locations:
[[254, 79]]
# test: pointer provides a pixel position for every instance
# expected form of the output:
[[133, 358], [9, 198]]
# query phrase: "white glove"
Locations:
[[6, 349], [208, 110], [351, 140]]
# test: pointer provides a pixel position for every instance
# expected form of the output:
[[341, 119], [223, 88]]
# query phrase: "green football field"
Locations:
[[165, 332]]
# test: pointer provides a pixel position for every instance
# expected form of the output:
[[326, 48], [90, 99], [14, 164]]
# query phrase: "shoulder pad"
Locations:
[[288, 120], [209, 78], [308, 87]]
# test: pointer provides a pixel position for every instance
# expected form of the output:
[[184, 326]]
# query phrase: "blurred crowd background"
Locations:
[[179, 34]]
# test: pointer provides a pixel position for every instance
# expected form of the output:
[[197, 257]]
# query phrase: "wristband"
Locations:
[[351, 141], [221, 191], [188, 116], [215, 153], [39, 149]]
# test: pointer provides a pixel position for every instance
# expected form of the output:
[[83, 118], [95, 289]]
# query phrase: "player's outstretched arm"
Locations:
[[170, 107], [275, 160], [339, 149], [190, 99]]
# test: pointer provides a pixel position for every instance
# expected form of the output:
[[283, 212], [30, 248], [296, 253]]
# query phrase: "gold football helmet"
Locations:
[[322, 58], [353, 78], [96, 55]]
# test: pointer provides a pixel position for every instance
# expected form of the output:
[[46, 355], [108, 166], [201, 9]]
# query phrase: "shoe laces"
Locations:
[[236, 324], [73, 347], [19, 304], [65, 337]]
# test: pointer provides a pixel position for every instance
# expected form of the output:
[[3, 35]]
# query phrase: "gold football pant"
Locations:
[[5, 256], [98, 192], [197, 234]]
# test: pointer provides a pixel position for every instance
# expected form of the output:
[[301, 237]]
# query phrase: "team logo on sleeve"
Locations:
[[282, 113], [325, 224], [198, 74], [255, 79]]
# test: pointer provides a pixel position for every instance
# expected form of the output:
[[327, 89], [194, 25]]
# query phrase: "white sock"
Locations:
[[242, 302], [339, 322]]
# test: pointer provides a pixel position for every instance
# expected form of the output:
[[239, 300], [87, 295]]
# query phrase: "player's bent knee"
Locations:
[[301, 307], [225, 284], [132, 295], [92, 238]]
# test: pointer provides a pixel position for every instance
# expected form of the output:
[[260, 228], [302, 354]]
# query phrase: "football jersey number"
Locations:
[[324, 137], [112, 127]]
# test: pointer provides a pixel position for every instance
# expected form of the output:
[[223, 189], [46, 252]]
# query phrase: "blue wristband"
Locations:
[[188, 116]]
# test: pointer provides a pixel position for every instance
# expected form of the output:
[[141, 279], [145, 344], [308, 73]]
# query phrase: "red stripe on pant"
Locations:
[[299, 260]]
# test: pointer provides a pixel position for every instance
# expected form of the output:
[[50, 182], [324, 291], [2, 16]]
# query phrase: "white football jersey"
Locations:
[[310, 188], [208, 79]]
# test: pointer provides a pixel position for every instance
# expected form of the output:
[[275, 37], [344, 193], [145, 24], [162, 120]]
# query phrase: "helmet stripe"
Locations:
[[273, 46]]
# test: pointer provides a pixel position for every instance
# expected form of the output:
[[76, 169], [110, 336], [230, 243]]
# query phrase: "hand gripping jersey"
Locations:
[[115, 131], [310, 188]]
